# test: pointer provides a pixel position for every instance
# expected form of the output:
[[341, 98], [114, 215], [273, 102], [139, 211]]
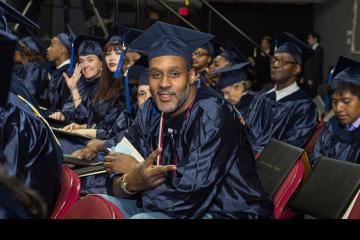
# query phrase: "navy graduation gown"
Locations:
[[30, 150], [338, 143], [35, 79], [87, 90], [216, 171], [291, 120], [57, 92], [244, 102]]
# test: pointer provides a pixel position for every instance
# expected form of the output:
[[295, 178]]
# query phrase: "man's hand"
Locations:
[[57, 116], [119, 162], [145, 175]]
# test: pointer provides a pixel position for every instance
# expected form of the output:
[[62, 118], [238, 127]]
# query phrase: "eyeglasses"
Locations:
[[197, 54], [281, 62]]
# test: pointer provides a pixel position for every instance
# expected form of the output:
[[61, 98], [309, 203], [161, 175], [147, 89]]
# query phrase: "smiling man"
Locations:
[[285, 112], [206, 168], [340, 138]]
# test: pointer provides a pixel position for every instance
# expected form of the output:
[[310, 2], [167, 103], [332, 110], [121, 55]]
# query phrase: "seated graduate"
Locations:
[[123, 122], [285, 112], [107, 104], [235, 86], [32, 153], [83, 84], [201, 58], [205, 167], [59, 53], [32, 70], [340, 139]]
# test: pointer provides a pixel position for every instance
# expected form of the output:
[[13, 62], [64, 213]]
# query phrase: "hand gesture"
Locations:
[[145, 175], [72, 81]]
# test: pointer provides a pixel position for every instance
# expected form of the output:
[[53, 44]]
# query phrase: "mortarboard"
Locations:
[[239, 55], [209, 48], [34, 44], [144, 77], [7, 48], [86, 44], [232, 74], [347, 70], [287, 43], [8, 13], [66, 40], [163, 39]]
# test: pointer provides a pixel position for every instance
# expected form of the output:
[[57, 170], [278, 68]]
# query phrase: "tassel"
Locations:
[[127, 93], [72, 60], [118, 72]]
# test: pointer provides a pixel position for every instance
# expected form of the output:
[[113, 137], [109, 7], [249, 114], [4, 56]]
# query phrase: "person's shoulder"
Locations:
[[214, 106]]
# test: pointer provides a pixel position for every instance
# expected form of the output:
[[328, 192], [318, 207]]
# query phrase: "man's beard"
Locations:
[[181, 100]]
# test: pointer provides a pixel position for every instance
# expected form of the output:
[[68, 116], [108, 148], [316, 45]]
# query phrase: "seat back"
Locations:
[[69, 193], [94, 207], [316, 134]]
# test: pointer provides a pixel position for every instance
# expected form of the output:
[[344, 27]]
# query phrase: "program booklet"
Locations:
[[125, 146]]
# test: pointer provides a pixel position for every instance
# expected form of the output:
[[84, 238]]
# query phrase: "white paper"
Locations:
[[124, 146]]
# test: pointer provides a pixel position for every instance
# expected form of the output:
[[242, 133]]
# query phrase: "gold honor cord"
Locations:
[[41, 117]]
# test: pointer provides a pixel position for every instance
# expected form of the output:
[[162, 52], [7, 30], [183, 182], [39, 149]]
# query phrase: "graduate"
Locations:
[[205, 168], [340, 139], [83, 84], [202, 57], [30, 149], [32, 70], [285, 112], [235, 86], [123, 122], [59, 53], [16, 200]]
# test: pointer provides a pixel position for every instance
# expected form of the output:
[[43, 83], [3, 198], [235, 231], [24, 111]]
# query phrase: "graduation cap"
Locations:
[[127, 38], [86, 44], [239, 55], [144, 77], [287, 43], [347, 70], [118, 33], [163, 39], [8, 13], [7, 48], [232, 74], [34, 44]]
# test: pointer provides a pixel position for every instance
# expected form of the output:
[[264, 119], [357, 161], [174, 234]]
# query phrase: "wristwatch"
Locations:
[[123, 185]]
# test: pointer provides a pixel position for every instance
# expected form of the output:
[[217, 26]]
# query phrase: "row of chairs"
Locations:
[[68, 205]]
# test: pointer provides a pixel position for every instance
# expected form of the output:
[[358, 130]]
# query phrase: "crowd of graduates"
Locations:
[[187, 105]]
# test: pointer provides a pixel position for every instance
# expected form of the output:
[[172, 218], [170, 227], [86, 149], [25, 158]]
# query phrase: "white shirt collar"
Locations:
[[280, 94], [315, 46], [63, 64]]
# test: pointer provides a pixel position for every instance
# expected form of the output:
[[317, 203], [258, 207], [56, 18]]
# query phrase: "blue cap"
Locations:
[[8, 13], [66, 40], [209, 48], [7, 48], [136, 70], [117, 34], [235, 50], [229, 56], [163, 39], [144, 77], [86, 44], [34, 44], [232, 74], [347, 70], [287, 43]]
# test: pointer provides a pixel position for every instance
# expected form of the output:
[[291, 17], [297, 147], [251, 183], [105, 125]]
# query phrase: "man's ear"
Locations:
[[297, 70], [192, 76]]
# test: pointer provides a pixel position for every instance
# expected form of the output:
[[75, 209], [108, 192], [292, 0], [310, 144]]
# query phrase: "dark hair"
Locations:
[[27, 197], [267, 38], [315, 35], [108, 87], [343, 87], [30, 55]]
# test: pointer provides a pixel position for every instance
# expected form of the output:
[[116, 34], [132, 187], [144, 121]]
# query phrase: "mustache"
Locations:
[[164, 91]]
